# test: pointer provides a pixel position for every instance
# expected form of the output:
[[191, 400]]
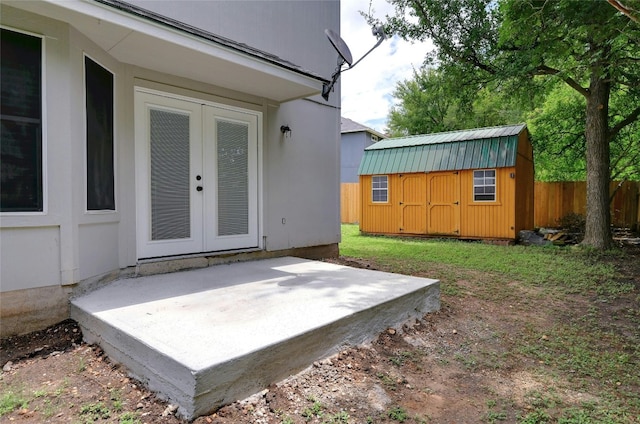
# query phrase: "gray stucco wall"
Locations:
[[292, 30]]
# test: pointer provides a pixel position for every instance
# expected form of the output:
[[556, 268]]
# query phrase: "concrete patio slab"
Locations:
[[207, 337]]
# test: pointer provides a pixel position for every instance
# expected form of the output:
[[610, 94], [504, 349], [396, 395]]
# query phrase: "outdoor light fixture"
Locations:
[[285, 130], [344, 55]]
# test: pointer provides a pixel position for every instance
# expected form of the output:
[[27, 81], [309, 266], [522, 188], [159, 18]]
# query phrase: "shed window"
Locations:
[[484, 185], [380, 188], [99, 110], [21, 122]]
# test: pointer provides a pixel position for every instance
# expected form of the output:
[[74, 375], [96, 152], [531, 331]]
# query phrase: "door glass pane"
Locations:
[[233, 178], [170, 200]]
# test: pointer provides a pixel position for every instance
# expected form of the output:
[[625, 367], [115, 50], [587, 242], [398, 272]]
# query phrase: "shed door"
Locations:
[[444, 203], [413, 204]]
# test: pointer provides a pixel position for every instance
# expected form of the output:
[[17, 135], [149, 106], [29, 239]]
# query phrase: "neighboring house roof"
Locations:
[[139, 37], [494, 147], [349, 126]]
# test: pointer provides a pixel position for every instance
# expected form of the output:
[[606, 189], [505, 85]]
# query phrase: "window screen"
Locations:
[[21, 122], [99, 115], [484, 185], [380, 188]]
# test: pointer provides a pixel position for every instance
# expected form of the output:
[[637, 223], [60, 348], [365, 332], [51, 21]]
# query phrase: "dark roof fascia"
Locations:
[[208, 36]]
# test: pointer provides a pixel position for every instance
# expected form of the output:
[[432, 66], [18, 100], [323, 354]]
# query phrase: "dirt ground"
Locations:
[[457, 365]]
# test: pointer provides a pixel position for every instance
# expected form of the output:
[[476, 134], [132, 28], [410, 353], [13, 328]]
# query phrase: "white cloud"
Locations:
[[367, 88]]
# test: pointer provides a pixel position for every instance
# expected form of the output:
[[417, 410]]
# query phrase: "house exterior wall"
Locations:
[[45, 238], [292, 30], [43, 255], [352, 147]]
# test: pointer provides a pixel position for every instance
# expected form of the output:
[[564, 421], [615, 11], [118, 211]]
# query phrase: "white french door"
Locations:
[[196, 176]]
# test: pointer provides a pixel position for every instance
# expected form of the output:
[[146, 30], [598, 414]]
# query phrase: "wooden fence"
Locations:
[[556, 200], [553, 201], [349, 203]]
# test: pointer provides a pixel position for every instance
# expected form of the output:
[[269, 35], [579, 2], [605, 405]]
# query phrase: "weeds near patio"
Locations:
[[11, 400], [398, 414]]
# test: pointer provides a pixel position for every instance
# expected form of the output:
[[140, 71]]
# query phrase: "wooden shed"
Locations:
[[467, 184]]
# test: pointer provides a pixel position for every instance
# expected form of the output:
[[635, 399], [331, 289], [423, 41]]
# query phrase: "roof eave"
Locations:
[[138, 37]]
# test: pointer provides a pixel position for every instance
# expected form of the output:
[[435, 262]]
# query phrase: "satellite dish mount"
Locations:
[[344, 56]]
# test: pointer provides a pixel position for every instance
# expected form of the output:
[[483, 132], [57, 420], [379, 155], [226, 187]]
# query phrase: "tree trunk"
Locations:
[[598, 219]]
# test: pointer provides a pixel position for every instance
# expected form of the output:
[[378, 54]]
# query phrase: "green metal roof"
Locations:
[[494, 147]]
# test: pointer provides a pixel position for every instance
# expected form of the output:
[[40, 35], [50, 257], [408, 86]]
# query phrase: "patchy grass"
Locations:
[[560, 269], [11, 399], [580, 341]]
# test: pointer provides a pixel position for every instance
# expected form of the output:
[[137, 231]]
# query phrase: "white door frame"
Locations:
[[203, 117]]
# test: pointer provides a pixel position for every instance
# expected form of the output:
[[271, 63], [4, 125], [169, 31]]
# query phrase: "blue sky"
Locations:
[[367, 88]]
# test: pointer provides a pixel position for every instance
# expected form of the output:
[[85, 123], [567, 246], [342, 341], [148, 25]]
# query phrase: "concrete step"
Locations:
[[207, 337]]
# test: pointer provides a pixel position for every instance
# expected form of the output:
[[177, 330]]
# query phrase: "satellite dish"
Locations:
[[340, 46], [345, 55]]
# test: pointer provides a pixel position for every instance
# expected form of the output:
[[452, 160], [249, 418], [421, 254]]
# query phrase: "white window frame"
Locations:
[[483, 181], [376, 188], [43, 125]]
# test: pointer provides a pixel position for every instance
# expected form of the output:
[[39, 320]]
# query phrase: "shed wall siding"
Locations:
[[425, 204], [378, 217], [524, 206], [488, 219]]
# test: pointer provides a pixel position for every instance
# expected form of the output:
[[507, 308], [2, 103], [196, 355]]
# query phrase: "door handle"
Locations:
[[199, 188]]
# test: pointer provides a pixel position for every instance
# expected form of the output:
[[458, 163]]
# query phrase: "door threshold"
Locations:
[[197, 255]]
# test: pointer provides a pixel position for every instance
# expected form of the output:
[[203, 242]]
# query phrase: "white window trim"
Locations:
[[495, 186], [43, 124], [115, 144], [373, 189]]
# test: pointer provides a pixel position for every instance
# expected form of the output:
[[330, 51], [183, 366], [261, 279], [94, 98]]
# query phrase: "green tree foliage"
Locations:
[[425, 105], [557, 130], [588, 45], [557, 133], [432, 102]]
